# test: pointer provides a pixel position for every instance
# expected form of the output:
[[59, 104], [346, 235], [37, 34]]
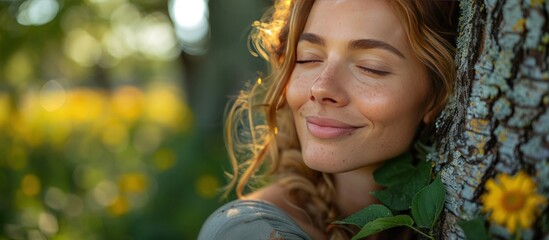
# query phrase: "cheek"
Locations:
[[297, 92], [396, 106], [375, 103]]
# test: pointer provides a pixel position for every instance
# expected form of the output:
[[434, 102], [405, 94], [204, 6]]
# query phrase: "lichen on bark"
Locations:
[[497, 119]]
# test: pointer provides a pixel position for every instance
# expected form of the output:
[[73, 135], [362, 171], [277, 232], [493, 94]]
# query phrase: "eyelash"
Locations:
[[373, 71], [368, 70], [306, 61]]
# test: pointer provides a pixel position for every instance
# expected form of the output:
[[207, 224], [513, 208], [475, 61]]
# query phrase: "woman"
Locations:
[[353, 83]]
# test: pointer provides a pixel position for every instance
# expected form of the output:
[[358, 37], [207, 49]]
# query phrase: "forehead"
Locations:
[[356, 19]]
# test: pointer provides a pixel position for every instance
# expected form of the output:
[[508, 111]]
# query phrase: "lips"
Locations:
[[328, 128]]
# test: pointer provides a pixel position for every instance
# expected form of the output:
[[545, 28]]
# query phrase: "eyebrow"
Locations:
[[371, 43], [312, 38], [356, 44]]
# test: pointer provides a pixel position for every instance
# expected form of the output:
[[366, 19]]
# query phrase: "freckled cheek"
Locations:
[[390, 101], [398, 113], [378, 106], [297, 92]]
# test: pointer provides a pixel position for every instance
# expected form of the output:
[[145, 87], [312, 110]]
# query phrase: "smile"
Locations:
[[328, 128]]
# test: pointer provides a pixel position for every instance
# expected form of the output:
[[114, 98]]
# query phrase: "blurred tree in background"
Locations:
[[111, 114]]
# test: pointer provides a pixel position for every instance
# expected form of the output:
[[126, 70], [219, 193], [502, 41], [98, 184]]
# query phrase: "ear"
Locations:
[[429, 116]]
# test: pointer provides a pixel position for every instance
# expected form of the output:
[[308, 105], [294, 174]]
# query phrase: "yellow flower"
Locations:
[[164, 106], [512, 201], [127, 103], [133, 182]]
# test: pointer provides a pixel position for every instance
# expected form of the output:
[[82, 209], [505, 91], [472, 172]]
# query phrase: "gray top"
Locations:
[[250, 219]]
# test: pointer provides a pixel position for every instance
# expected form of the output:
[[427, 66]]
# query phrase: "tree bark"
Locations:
[[497, 120]]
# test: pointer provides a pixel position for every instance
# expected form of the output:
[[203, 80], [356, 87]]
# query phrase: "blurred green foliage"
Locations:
[[107, 129]]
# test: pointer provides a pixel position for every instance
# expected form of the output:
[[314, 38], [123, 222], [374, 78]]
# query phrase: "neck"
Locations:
[[353, 189]]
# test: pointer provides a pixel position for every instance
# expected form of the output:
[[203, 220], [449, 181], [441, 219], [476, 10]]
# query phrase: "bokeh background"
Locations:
[[111, 114]]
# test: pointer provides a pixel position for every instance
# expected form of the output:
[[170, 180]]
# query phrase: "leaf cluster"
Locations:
[[408, 188], [474, 229]]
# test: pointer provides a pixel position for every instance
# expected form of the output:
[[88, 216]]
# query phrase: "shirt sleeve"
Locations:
[[250, 219]]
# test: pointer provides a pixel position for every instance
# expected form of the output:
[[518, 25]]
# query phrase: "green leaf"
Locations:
[[366, 215], [381, 224], [420, 178], [399, 197], [394, 198], [393, 171], [474, 229], [428, 203]]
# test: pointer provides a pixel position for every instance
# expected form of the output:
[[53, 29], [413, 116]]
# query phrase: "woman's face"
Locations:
[[357, 92]]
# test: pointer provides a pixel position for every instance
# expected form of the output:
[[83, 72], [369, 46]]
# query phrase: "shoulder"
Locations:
[[250, 219]]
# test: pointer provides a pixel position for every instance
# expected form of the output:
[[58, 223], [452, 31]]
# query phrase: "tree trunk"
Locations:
[[498, 119]]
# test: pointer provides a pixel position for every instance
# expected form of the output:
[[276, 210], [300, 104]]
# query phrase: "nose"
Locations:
[[328, 88]]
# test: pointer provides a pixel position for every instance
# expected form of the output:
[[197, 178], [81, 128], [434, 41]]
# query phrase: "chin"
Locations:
[[327, 166]]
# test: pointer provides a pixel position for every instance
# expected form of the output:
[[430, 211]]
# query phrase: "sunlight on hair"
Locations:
[[266, 33]]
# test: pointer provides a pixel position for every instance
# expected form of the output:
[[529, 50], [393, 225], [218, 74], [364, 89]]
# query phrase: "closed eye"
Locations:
[[374, 71], [307, 61]]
